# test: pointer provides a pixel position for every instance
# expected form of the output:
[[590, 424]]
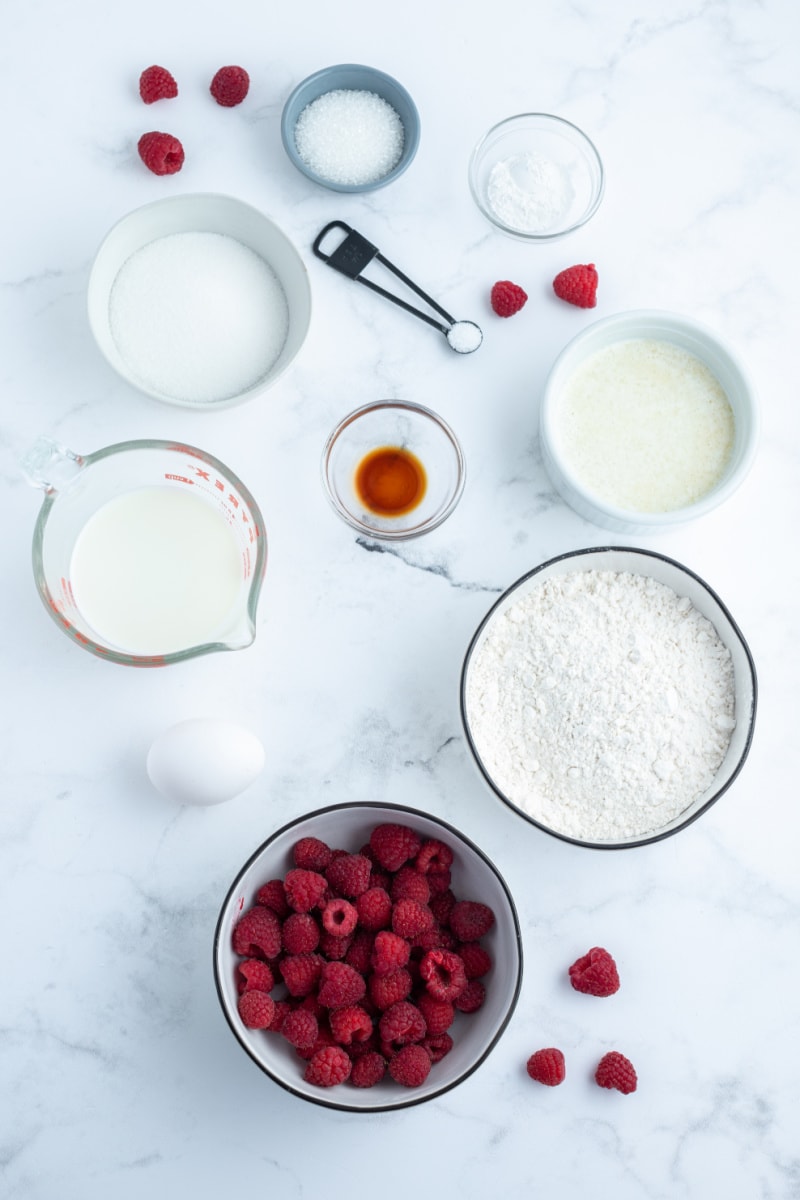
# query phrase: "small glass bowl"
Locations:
[[411, 427], [537, 153]]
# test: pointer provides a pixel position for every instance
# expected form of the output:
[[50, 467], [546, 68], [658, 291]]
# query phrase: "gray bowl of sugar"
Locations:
[[609, 698], [350, 128], [199, 300]]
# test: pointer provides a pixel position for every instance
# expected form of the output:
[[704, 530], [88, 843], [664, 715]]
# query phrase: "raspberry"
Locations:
[[595, 973], [348, 874], [507, 298], [282, 1010], [256, 1009], [273, 895], [441, 905], [616, 1071], [300, 1029], [402, 1023], [410, 918], [477, 961], [434, 938], [389, 952], [328, 1067], [161, 153], [410, 1066], [408, 884], [439, 1014], [470, 920], [253, 974], [437, 1046], [439, 881], [443, 974], [374, 908], [324, 1039], [340, 985], [311, 854], [394, 845], [334, 948], [577, 285], [547, 1067], [339, 918], [359, 952], [350, 1024], [156, 83], [433, 856], [385, 990], [304, 889], [257, 934], [299, 934], [229, 86], [368, 1069], [471, 998], [301, 973]]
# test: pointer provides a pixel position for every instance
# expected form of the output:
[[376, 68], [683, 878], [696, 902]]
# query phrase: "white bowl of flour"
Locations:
[[609, 697]]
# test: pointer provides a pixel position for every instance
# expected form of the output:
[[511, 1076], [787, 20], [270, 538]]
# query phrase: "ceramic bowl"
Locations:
[[685, 583], [687, 335], [474, 876], [357, 78], [199, 213], [536, 177]]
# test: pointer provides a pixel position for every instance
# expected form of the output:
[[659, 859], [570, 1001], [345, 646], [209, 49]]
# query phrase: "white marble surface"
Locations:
[[119, 1075]]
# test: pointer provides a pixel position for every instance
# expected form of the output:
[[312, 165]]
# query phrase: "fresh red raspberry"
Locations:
[[409, 884], [301, 1029], [374, 908], [507, 298], [282, 1010], [161, 153], [439, 881], [328, 1067], [616, 1071], [368, 1069], [435, 938], [380, 879], [471, 998], [547, 1067], [386, 990], [443, 974], [477, 961], [410, 918], [441, 905], [311, 854], [257, 934], [304, 889], [311, 1004], [389, 952], [299, 934], [229, 86], [470, 920], [359, 952], [348, 874], [577, 285], [439, 1014], [350, 1024], [301, 973], [334, 948], [433, 856], [437, 1046], [394, 845], [256, 1009], [402, 1023], [273, 895], [254, 975], [324, 1038], [410, 1066], [340, 985], [595, 973], [156, 83], [339, 918]]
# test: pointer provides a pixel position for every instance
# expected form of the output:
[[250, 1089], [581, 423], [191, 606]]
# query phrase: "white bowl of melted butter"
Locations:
[[647, 421]]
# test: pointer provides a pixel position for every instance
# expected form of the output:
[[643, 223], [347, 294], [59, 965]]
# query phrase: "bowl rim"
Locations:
[[494, 220], [645, 839], [323, 1100], [390, 535]]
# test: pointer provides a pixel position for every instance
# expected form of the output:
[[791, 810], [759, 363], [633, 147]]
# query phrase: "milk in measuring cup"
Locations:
[[157, 570]]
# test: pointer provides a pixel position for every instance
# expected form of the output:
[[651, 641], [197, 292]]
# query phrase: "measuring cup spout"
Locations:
[[49, 465], [242, 635]]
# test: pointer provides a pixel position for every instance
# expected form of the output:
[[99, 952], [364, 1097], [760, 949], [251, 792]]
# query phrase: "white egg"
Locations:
[[204, 761]]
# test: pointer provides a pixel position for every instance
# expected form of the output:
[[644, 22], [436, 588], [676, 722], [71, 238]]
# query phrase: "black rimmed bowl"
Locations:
[[474, 877], [682, 581]]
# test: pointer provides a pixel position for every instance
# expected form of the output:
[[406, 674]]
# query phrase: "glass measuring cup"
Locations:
[[78, 486]]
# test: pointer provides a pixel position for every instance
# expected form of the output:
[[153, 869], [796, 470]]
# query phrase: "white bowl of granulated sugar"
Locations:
[[609, 697]]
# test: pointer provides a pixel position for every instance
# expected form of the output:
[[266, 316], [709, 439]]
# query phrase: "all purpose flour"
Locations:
[[601, 703]]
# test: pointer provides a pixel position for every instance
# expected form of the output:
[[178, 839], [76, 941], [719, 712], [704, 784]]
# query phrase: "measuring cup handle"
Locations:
[[49, 465]]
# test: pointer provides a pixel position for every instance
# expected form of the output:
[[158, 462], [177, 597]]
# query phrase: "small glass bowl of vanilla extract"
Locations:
[[393, 470]]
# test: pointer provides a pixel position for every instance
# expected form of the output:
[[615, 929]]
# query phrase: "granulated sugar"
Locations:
[[198, 316], [601, 703], [349, 137]]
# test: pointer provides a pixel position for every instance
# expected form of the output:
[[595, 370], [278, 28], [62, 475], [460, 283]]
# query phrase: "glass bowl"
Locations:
[[536, 177], [409, 430]]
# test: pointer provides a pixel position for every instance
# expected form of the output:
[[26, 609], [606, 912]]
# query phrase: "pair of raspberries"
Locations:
[[162, 153], [577, 285]]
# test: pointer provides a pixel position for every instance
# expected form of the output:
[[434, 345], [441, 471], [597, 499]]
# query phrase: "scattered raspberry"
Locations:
[[156, 83], [433, 856], [374, 908], [471, 998], [408, 884], [368, 1069], [410, 918], [470, 920], [301, 1029], [339, 918], [254, 975], [350, 1024], [616, 1071], [304, 889], [229, 86], [257, 934], [401, 1024], [311, 854], [437, 1046], [299, 934], [443, 973], [477, 961], [385, 990], [256, 1009], [340, 985], [348, 874], [410, 1066], [389, 952], [328, 1067], [547, 1067], [595, 973], [161, 153], [507, 298], [577, 285], [273, 895], [439, 1014], [301, 973], [394, 845]]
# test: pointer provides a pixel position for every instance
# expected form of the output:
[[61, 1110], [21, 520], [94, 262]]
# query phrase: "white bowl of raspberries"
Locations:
[[368, 957]]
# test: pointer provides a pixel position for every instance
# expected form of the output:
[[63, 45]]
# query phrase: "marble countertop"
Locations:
[[119, 1074]]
